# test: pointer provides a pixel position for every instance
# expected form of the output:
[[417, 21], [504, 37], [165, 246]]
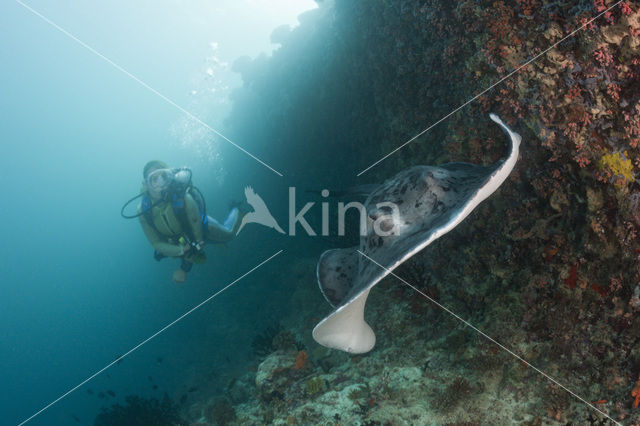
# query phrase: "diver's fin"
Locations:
[[346, 329], [336, 272]]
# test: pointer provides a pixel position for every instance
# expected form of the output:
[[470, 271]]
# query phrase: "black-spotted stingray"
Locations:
[[404, 215]]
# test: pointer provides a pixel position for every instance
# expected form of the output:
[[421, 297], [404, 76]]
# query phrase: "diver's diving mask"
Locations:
[[160, 179]]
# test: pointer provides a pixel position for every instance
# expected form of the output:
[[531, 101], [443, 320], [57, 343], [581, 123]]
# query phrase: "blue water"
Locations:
[[80, 286]]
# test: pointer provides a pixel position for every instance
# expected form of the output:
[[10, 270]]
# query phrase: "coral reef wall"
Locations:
[[551, 265]]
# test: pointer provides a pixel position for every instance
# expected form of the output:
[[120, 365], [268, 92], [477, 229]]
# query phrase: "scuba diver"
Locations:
[[174, 219]]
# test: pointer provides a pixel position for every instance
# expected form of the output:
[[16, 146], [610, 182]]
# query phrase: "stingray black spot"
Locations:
[[380, 241], [403, 189], [338, 268], [417, 204], [343, 275]]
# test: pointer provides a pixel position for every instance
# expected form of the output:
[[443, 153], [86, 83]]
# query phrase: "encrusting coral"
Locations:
[[314, 385], [619, 166]]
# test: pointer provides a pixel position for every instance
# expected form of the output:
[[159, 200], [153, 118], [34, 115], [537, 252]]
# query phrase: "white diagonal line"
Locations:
[[487, 89], [148, 339], [145, 85], [468, 324]]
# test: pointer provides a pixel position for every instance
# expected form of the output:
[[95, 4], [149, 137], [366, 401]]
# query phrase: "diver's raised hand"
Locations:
[[185, 248], [179, 276]]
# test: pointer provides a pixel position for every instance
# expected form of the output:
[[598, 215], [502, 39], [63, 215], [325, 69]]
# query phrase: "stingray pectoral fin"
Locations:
[[336, 272], [501, 173], [515, 138], [346, 329], [510, 161]]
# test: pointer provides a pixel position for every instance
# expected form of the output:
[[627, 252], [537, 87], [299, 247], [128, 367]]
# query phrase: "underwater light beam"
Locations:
[[468, 324], [121, 357], [142, 83], [488, 88]]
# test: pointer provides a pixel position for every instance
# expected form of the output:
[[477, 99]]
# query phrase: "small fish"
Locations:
[[119, 359], [150, 378], [227, 358], [159, 360], [101, 395], [75, 418], [155, 387], [90, 391], [111, 393], [192, 389], [183, 399]]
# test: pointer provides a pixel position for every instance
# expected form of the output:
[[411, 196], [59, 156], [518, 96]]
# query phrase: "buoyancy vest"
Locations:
[[169, 217]]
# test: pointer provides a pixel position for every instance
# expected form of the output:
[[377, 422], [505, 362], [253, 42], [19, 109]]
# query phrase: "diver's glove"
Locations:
[[191, 246], [196, 247]]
